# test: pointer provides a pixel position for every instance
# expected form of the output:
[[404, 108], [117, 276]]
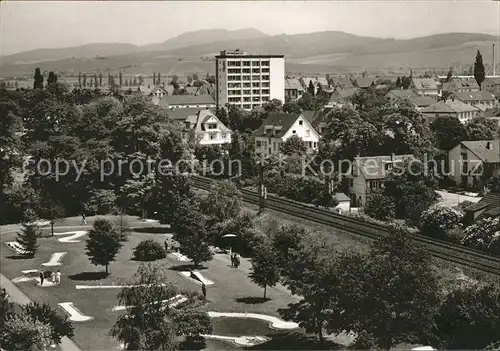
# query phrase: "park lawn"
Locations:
[[230, 292]]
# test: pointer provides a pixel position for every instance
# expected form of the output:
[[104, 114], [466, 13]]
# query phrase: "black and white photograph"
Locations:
[[249, 175]]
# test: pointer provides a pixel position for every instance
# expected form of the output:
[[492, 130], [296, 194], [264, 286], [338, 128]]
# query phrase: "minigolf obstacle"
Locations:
[[274, 323], [55, 259], [18, 248], [74, 313], [172, 303], [196, 277], [72, 236]]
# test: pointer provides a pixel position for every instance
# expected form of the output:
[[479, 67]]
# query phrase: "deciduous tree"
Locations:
[[48, 316], [265, 266], [380, 206], [448, 132], [293, 145], [103, 243], [437, 220], [22, 332]]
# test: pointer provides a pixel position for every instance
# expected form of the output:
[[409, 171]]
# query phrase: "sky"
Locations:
[[31, 25]]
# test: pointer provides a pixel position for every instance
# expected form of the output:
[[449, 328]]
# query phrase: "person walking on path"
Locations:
[[204, 290], [58, 277], [53, 277], [84, 220], [41, 277], [166, 245]]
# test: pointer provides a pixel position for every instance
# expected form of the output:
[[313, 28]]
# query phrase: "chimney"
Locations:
[[493, 60]]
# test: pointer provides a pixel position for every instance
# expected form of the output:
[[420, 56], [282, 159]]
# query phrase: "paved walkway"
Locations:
[[19, 297]]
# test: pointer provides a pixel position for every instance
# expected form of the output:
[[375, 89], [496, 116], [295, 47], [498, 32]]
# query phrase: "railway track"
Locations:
[[447, 251]]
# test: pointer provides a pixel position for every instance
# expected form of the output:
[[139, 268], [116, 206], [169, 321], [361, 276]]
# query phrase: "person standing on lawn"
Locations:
[[204, 290], [41, 278], [84, 220], [58, 277]]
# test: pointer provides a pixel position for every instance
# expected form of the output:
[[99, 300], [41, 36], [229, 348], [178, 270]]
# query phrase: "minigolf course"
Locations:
[[73, 235], [74, 313], [274, 322], [89, 287], [55, 259]]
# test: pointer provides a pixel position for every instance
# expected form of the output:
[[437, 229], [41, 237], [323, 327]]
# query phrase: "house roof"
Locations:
[[457, 83], [322, 116], [340, 197], [490, 203], [449, 106], [156, 88], [309, 115], [373, 167], [467, 96], [322, 81], [284, 120], [307, 81], [364, 82], [182, 113], [425, 84], [344, 82], [293, 83], [480, 149], [346, 93], [172, 100], [202, 117], [421, 101], [399, 93]]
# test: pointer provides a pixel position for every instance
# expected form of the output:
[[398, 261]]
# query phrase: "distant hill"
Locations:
[[203, 36], [334, 42], [331, 51], [118, 49], [82, 51]]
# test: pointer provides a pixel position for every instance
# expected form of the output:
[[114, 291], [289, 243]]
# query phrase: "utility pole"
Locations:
[[262, 188]]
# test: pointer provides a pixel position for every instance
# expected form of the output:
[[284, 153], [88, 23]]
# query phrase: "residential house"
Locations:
[[293, 89], [159, 91], [480, 99], [343, 203], [306, 82], [321, 119], [454, 108], [208, 129], [278, 127], [487, 207], [456, 84], [397, 94], [145, 90], [492, 85], [187, 101], [472, 163], [426, 87], [364, 82], [419, 102], [341, 97], [368, 173]]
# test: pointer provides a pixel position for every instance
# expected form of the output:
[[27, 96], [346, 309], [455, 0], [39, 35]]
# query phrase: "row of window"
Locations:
[[247, 70], [247, 63], [248, 99], [248, 85], [215, 136], [249, 92], [247, 78]]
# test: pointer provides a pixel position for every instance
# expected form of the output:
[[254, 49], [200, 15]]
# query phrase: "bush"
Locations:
[[149, 250], [438, 219], [380, 206], [484, 235]]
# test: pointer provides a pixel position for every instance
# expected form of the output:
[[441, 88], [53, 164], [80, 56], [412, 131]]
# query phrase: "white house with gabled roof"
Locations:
[[207, 128], [280, 126]]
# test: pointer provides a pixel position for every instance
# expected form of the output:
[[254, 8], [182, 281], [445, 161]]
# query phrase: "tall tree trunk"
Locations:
[[52, 228], [265, 291], [320, 333], [106, 269]]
